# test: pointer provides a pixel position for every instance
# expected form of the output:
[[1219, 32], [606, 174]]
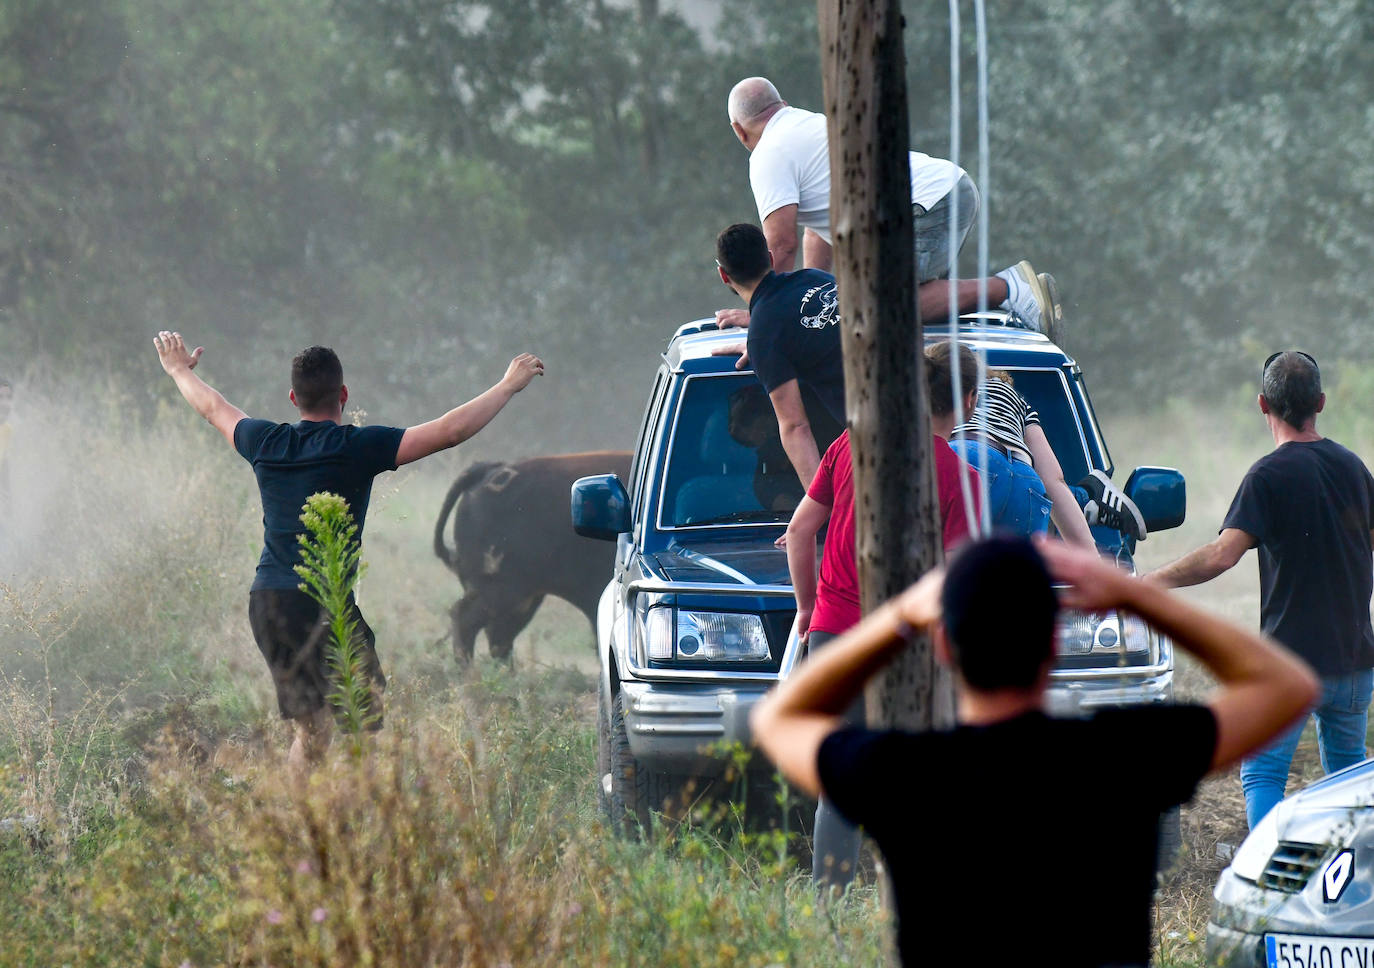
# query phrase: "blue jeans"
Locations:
[[933, 258], [1017, 503], [1342, 718]]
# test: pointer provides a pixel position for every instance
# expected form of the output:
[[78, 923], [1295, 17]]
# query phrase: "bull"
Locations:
[[514, 544]]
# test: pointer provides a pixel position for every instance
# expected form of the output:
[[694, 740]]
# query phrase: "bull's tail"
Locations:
[[471, 475]]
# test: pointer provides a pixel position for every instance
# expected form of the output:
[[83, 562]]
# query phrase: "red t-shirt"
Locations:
[[837, 591], [953, 518]]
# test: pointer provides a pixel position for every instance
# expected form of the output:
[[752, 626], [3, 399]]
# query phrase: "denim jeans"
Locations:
[[834, 841], [1342, 717], [1017, 503], [931, 227]]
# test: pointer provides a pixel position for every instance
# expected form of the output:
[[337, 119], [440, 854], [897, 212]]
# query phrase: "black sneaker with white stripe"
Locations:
[[1110, 508]]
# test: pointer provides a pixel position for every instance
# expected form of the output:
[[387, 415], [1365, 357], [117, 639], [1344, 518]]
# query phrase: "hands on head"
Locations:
[[1087, 581], [1090, 582], [522, 370], [172, 352]]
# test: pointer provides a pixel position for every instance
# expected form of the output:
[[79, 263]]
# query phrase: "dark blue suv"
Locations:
[[696, 621]]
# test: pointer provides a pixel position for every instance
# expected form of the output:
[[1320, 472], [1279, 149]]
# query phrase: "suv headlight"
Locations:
[[1102, 633], [692, 636]]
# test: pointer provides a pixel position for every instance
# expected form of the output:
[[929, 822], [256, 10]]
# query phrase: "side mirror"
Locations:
[[600, 507], [1161, 495]]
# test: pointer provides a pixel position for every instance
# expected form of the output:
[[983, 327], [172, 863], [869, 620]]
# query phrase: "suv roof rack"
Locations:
[[696, 326]]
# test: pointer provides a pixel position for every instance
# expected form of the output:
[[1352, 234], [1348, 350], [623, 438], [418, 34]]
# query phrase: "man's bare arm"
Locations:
[[791, 722], [1262, 687], [795, 430], [816, 252], [1205, 563], [177, 362], [464, 421], [780, 229], [807, 521]]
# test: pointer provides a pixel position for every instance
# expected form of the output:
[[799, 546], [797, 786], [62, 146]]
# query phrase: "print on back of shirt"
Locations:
[[820, 307]]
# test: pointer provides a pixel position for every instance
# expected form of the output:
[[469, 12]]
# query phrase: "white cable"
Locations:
[[952, 257], [981, 523], [984, 181]]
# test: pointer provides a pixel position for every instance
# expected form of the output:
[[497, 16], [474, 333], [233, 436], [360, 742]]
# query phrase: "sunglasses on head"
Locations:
[[1274, 356]]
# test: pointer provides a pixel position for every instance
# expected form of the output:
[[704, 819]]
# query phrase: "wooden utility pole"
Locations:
[[897, 520]]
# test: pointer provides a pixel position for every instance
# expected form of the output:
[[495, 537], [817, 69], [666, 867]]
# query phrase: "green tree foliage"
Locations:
[[1190, 172], [433, 185]]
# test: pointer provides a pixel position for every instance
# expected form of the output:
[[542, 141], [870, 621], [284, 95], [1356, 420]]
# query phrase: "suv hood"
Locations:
[[732, 563]]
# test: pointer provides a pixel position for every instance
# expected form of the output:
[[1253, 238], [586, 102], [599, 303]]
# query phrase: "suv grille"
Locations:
[[1292, 866]]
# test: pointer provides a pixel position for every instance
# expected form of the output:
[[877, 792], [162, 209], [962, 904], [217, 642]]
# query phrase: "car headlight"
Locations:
[[692, 636], [1085, 633], [1257, 848]]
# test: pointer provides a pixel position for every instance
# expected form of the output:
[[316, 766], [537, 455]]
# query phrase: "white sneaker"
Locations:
[[1026, 296], [1054, 328], [1109, 507]]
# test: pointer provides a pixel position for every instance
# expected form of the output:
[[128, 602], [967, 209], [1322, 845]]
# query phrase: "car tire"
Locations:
[[630, 792], [603, 759]]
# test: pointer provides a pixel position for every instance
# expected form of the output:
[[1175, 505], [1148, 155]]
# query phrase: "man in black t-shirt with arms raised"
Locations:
[[1308, 506], [794, 343], [1029, 819], [294, 461]]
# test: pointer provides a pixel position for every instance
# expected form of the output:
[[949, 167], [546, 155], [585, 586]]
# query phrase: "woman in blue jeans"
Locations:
[[1004, 441]]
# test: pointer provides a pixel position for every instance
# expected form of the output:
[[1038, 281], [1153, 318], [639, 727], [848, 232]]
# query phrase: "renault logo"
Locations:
[[1337, 876]]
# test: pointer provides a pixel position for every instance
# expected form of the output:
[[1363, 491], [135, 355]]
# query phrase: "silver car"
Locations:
[[1300, 889]]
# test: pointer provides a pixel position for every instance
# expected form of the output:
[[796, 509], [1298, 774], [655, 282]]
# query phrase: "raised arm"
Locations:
[[791, 722], [464, 421], [1205, 563], [178, 363], [1262, 687], [795, 430]]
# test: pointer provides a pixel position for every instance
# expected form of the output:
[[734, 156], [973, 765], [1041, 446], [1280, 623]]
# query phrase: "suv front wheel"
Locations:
[[627, 791]]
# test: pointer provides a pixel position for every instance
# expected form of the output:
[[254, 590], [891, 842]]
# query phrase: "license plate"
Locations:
[[1307, 951]]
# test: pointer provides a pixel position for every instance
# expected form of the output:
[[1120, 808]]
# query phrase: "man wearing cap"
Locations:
[[1308, 506]]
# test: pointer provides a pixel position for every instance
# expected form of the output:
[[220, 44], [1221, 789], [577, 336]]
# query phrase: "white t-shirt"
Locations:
[[791, 166]]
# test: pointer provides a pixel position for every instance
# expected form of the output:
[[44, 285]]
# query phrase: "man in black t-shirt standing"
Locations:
[[794, 343], [1308, 506], [1041, 818], [294, 461]]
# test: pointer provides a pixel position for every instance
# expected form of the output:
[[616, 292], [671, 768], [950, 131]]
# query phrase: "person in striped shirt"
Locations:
[[1025, 483]]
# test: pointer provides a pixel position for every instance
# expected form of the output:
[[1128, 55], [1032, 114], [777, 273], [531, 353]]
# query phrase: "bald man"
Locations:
[[789, 170]]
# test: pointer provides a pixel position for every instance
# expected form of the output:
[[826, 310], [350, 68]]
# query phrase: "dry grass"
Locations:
[[467, 835]]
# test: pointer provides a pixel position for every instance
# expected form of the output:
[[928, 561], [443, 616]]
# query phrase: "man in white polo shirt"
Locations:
[[789, 170]]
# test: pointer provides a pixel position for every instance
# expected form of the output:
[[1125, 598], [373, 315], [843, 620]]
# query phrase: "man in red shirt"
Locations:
[[830, 606]]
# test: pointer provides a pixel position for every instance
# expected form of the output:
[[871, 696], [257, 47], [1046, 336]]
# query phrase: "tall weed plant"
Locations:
[[331, 565]]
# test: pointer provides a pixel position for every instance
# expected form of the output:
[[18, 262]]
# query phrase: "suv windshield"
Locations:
[[1047, 394], [726, 463]]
